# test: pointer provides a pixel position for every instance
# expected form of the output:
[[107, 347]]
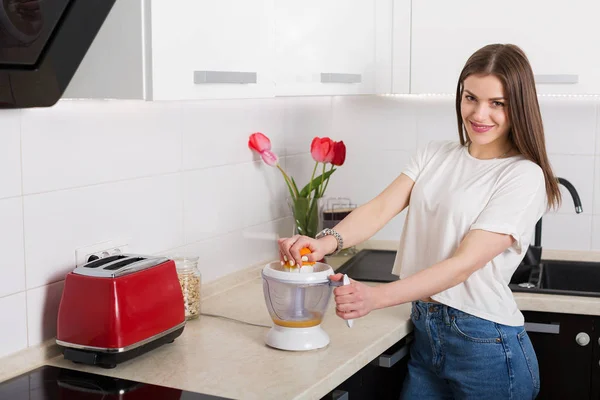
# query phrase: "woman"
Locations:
[[473, 209]]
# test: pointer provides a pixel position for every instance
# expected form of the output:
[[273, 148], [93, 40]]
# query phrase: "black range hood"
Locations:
[[42, 43]]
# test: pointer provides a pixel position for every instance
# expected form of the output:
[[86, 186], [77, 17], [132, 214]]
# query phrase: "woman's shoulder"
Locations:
[[524, 170], [442, 146]]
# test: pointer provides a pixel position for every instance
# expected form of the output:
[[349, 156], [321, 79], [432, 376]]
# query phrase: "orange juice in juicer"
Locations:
[[297, 300]]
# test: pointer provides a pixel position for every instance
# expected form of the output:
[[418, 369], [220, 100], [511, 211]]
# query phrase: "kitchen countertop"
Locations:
[[227, 358], [230, 359]]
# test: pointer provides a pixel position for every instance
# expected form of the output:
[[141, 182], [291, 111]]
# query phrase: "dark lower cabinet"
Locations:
[[568, 351], [381, 379], [596, 360]]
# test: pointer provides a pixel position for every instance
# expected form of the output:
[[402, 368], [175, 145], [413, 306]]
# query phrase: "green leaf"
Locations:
[[312, 218], [295, 186], [306, 216], [315, 183], [301, 207]]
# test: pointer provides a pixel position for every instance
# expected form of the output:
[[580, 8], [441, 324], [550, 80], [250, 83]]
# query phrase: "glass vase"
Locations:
[[308, 215]]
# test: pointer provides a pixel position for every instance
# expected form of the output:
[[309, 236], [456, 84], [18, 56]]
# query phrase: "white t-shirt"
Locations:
[[455, 192]]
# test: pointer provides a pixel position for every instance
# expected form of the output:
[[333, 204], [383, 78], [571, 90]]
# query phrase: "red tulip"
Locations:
[[259, 142], [321, 149], [339, 153]]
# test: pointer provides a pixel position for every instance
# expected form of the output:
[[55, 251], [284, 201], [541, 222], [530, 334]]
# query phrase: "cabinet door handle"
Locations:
[[389, 360], [201, 77], [558, 78], [582, 339], [329, 77], [542, 328]]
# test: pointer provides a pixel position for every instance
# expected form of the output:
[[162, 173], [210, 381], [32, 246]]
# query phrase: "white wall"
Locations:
[[178, 176]]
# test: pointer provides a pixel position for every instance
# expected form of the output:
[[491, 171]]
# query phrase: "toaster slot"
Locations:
[[103, 261], [121, 264]]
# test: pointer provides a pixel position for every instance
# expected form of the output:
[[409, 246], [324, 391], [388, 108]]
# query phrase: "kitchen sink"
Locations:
[[575, 278]]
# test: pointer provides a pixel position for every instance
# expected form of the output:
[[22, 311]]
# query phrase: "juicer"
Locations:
[[297, 300]]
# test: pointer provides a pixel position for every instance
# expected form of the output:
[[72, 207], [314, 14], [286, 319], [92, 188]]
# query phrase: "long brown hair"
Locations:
[[509, 63]]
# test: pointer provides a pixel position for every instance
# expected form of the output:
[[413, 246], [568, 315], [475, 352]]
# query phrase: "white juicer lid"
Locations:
[[317, 274]]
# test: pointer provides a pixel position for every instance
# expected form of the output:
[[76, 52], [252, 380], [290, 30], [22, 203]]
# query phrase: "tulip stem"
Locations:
[[322, 178], [311, 179], [326, 183], [288, 182]]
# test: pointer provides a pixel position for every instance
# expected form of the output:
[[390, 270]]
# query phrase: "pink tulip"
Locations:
[[262, 145], [269, 158]]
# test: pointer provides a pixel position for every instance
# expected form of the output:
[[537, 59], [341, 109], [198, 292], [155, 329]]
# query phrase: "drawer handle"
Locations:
[[329, 77], [542, 328], [558, 78], [201, 77], [389, 360]]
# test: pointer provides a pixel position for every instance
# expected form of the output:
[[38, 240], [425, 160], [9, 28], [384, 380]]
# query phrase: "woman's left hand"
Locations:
[[353, 300]]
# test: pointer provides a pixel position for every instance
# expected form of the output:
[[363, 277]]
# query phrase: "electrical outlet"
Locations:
[[101, 250]]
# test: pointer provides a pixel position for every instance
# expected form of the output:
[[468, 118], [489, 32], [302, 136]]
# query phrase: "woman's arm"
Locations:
[[358, 226], [476, 250], [369, 218]]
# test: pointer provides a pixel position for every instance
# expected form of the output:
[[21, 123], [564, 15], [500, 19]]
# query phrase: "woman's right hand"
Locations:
[[289, 249]]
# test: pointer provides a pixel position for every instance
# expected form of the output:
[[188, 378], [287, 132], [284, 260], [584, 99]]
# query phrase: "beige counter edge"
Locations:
[[30, 358]]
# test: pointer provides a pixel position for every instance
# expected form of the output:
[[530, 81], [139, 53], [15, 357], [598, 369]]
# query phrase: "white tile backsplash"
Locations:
[[596, 232], [10, 153], [12, 263], [566, 232], [213, 201], [569, 126], [306, 118], [13, 319], [367, 173], [79, 143], [597, 186], [598, 128], [436, 119], [147, 211], [241, 248], [179, 177], [42, 312], [216, 133], [368, 123]]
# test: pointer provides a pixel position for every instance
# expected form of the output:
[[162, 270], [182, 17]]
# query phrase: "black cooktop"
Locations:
[[52, 383], [370, 265]]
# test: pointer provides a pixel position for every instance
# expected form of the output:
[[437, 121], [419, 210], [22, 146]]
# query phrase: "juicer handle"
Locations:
[[346, 281]]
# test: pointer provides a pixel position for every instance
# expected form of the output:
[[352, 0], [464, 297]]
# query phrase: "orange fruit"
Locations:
[[306, 251]]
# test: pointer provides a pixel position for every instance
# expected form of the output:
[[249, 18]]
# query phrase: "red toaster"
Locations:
[[117, 307]]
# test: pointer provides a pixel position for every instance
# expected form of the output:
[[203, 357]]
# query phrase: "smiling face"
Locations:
[[484, 113]]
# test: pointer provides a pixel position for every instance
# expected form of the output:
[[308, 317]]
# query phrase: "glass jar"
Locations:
[[190, 281]]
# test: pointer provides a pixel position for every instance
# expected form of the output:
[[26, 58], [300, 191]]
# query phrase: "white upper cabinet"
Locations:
[[401, 47], [328, 47], [560, 40], [189, 49], [212, 49]]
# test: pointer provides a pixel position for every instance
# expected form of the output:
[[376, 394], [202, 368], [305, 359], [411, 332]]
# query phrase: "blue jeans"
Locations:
[[456, 355]]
